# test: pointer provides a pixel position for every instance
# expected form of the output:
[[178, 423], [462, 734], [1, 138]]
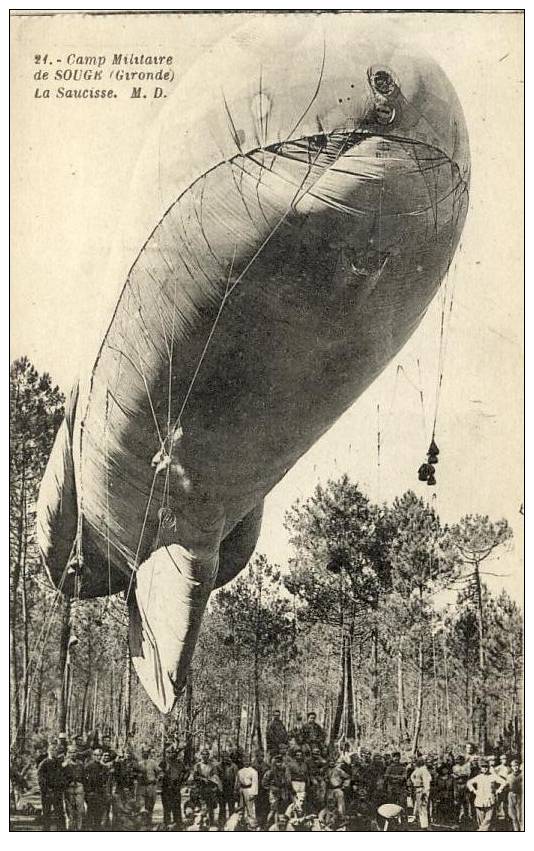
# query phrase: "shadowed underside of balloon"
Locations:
[[269, 296]]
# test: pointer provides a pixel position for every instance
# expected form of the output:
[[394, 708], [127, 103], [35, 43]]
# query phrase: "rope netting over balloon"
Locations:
[[313, 157]]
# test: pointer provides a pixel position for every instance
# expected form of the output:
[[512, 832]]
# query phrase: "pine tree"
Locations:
[[475, 538], [36, 410], [421, 560], [341, 571]]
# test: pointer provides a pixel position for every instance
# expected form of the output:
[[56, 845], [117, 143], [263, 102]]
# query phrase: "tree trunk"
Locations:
[[13, 622], [25, 697], [111, 697], [248, 721], [238, 711], [471, 714], [402, 732], [502, 725], [120, 711], [468, 713], [85, 711], [351, 723], [267, 717], [284, 695], [256, 729], [419, 705], [306, 681], [13, 673], [338, 717], [69, 725], [127, 701], [205, 726], [325, 690], [250, 727], [515, 697], [95, 704], [256, 733], [64, 638], [483, 706], [189, 741], [374, 680], [37, 708], [447, 698], [437, 714]]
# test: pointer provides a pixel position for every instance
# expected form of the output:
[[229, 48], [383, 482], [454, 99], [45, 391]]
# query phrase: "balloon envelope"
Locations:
[[308, 206]]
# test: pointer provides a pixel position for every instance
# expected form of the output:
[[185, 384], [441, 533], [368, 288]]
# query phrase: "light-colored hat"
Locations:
[[388, 811]]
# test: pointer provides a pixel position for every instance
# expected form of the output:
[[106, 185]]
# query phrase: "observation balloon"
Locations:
[[309, 202]]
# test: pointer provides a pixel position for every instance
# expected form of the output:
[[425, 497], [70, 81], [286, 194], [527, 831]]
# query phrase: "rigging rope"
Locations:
[[449, 286], [419, 390], [378, 450], [426, 470], [106, 444]]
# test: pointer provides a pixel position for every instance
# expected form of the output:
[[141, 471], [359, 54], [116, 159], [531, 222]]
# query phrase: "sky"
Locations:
[[71, 178]]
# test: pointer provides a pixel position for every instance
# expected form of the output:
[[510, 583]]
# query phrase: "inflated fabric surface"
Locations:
[[310, 210]]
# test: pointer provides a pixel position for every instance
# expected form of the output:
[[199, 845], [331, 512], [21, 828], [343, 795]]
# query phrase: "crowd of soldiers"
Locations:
[[300, 784]]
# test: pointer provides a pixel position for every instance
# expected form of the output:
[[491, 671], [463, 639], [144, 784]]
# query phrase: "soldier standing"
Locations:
[[276, 734], [228, 773], [317, 770], [297, 732], [312, 732], [51, 777], [420, 780], [262, 804], [485, 785], [173, 773], [246, 786], [515, 796], [395, 781], [95, 778], [278, 784], [74, 791], [147, 782]]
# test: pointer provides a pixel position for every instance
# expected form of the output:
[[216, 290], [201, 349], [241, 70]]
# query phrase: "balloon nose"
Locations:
[[385, 89], [382, 81]]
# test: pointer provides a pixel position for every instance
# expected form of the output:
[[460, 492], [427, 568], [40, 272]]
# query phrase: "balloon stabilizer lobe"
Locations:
[[318, 206]]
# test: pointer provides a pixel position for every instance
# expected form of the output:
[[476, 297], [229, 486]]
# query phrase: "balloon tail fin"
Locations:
[[166, 606]]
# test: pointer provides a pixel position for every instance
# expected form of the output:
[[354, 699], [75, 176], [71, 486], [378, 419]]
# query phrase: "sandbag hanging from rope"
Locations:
[[433, 448], [425, 472], [433, 452]]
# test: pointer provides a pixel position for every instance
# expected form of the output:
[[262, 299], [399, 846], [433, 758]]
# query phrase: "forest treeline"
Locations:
[[381, 623]]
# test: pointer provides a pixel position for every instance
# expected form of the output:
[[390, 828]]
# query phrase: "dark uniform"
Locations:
[[318, 768], [95, 780], [276, 735], [227, 773], [515, 800], [277, 783], [262, 802], [313, 733], [51, 776], [173, 775], [396, 783]]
